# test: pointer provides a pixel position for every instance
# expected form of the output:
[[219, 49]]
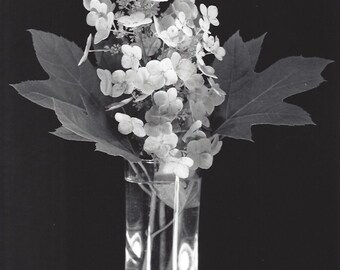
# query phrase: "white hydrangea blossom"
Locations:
[[129, 125], [131, 56], [100, 16], [165, 80]]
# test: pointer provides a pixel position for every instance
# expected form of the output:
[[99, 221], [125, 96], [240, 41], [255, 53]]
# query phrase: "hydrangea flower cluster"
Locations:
[[164, 93]]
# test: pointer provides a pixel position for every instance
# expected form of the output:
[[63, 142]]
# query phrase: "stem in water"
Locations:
[[175, 227]]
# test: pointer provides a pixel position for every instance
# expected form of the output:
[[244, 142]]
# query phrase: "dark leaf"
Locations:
[[254, 47], [74, 93], [66, 134], [257, 98], [92, 124], [59, 58]]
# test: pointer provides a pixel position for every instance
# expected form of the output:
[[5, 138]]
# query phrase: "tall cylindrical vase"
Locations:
[[162, 217]]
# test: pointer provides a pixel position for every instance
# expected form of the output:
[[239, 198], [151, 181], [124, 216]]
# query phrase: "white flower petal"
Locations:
[[86, 51], [205, 161], [187, 161], [160, 98], [154, 67], [105, 81], [126, 49], [92, 18], [86, 4], [175, 59], [139, 131], [186, 30], [170, 77], [186, 69], [204, 10], [212, 12], [100, 7], [137, 52], [215, 22], [121, 117], [119, 104], [172, 94], [118, 76], [117, 90], [166, 64], [125, 127], [127, 61], [101, 35]]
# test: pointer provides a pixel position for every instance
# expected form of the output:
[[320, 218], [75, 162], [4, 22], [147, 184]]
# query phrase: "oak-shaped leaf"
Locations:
[[68, 135], [258, 98], [92, 124], [74, 94]]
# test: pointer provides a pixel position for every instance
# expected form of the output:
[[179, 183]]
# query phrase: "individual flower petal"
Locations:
[[134, 20], [170, 77], [121, 117], [118, 76], [186, 69], [154, 67], [138, 129], [212, 15], [87, 50], [92, 18], [98, 6], [105, 81], [172, 94], [205, 160], [205, 25], [204, 10], [125, 127], [103, 27], [117, 105], [161, 98], [86, 4]]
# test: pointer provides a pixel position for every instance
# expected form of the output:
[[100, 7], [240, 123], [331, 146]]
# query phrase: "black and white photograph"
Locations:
[[170, 135]]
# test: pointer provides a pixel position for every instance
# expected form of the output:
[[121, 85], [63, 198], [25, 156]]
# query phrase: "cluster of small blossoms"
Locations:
[[163, 76]]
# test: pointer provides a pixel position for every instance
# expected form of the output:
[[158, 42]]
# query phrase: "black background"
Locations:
[[270, 205]]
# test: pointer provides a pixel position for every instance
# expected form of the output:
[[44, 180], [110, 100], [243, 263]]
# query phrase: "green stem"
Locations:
[[147, 261], [145, 59], [162, 240], [175, 228], [140, 177]]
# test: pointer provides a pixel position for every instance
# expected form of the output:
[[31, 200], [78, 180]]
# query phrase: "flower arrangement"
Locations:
[[163, 88], [163, 79], [152, 95]]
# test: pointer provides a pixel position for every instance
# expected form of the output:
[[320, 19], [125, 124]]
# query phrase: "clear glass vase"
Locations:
[[162, 216]]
